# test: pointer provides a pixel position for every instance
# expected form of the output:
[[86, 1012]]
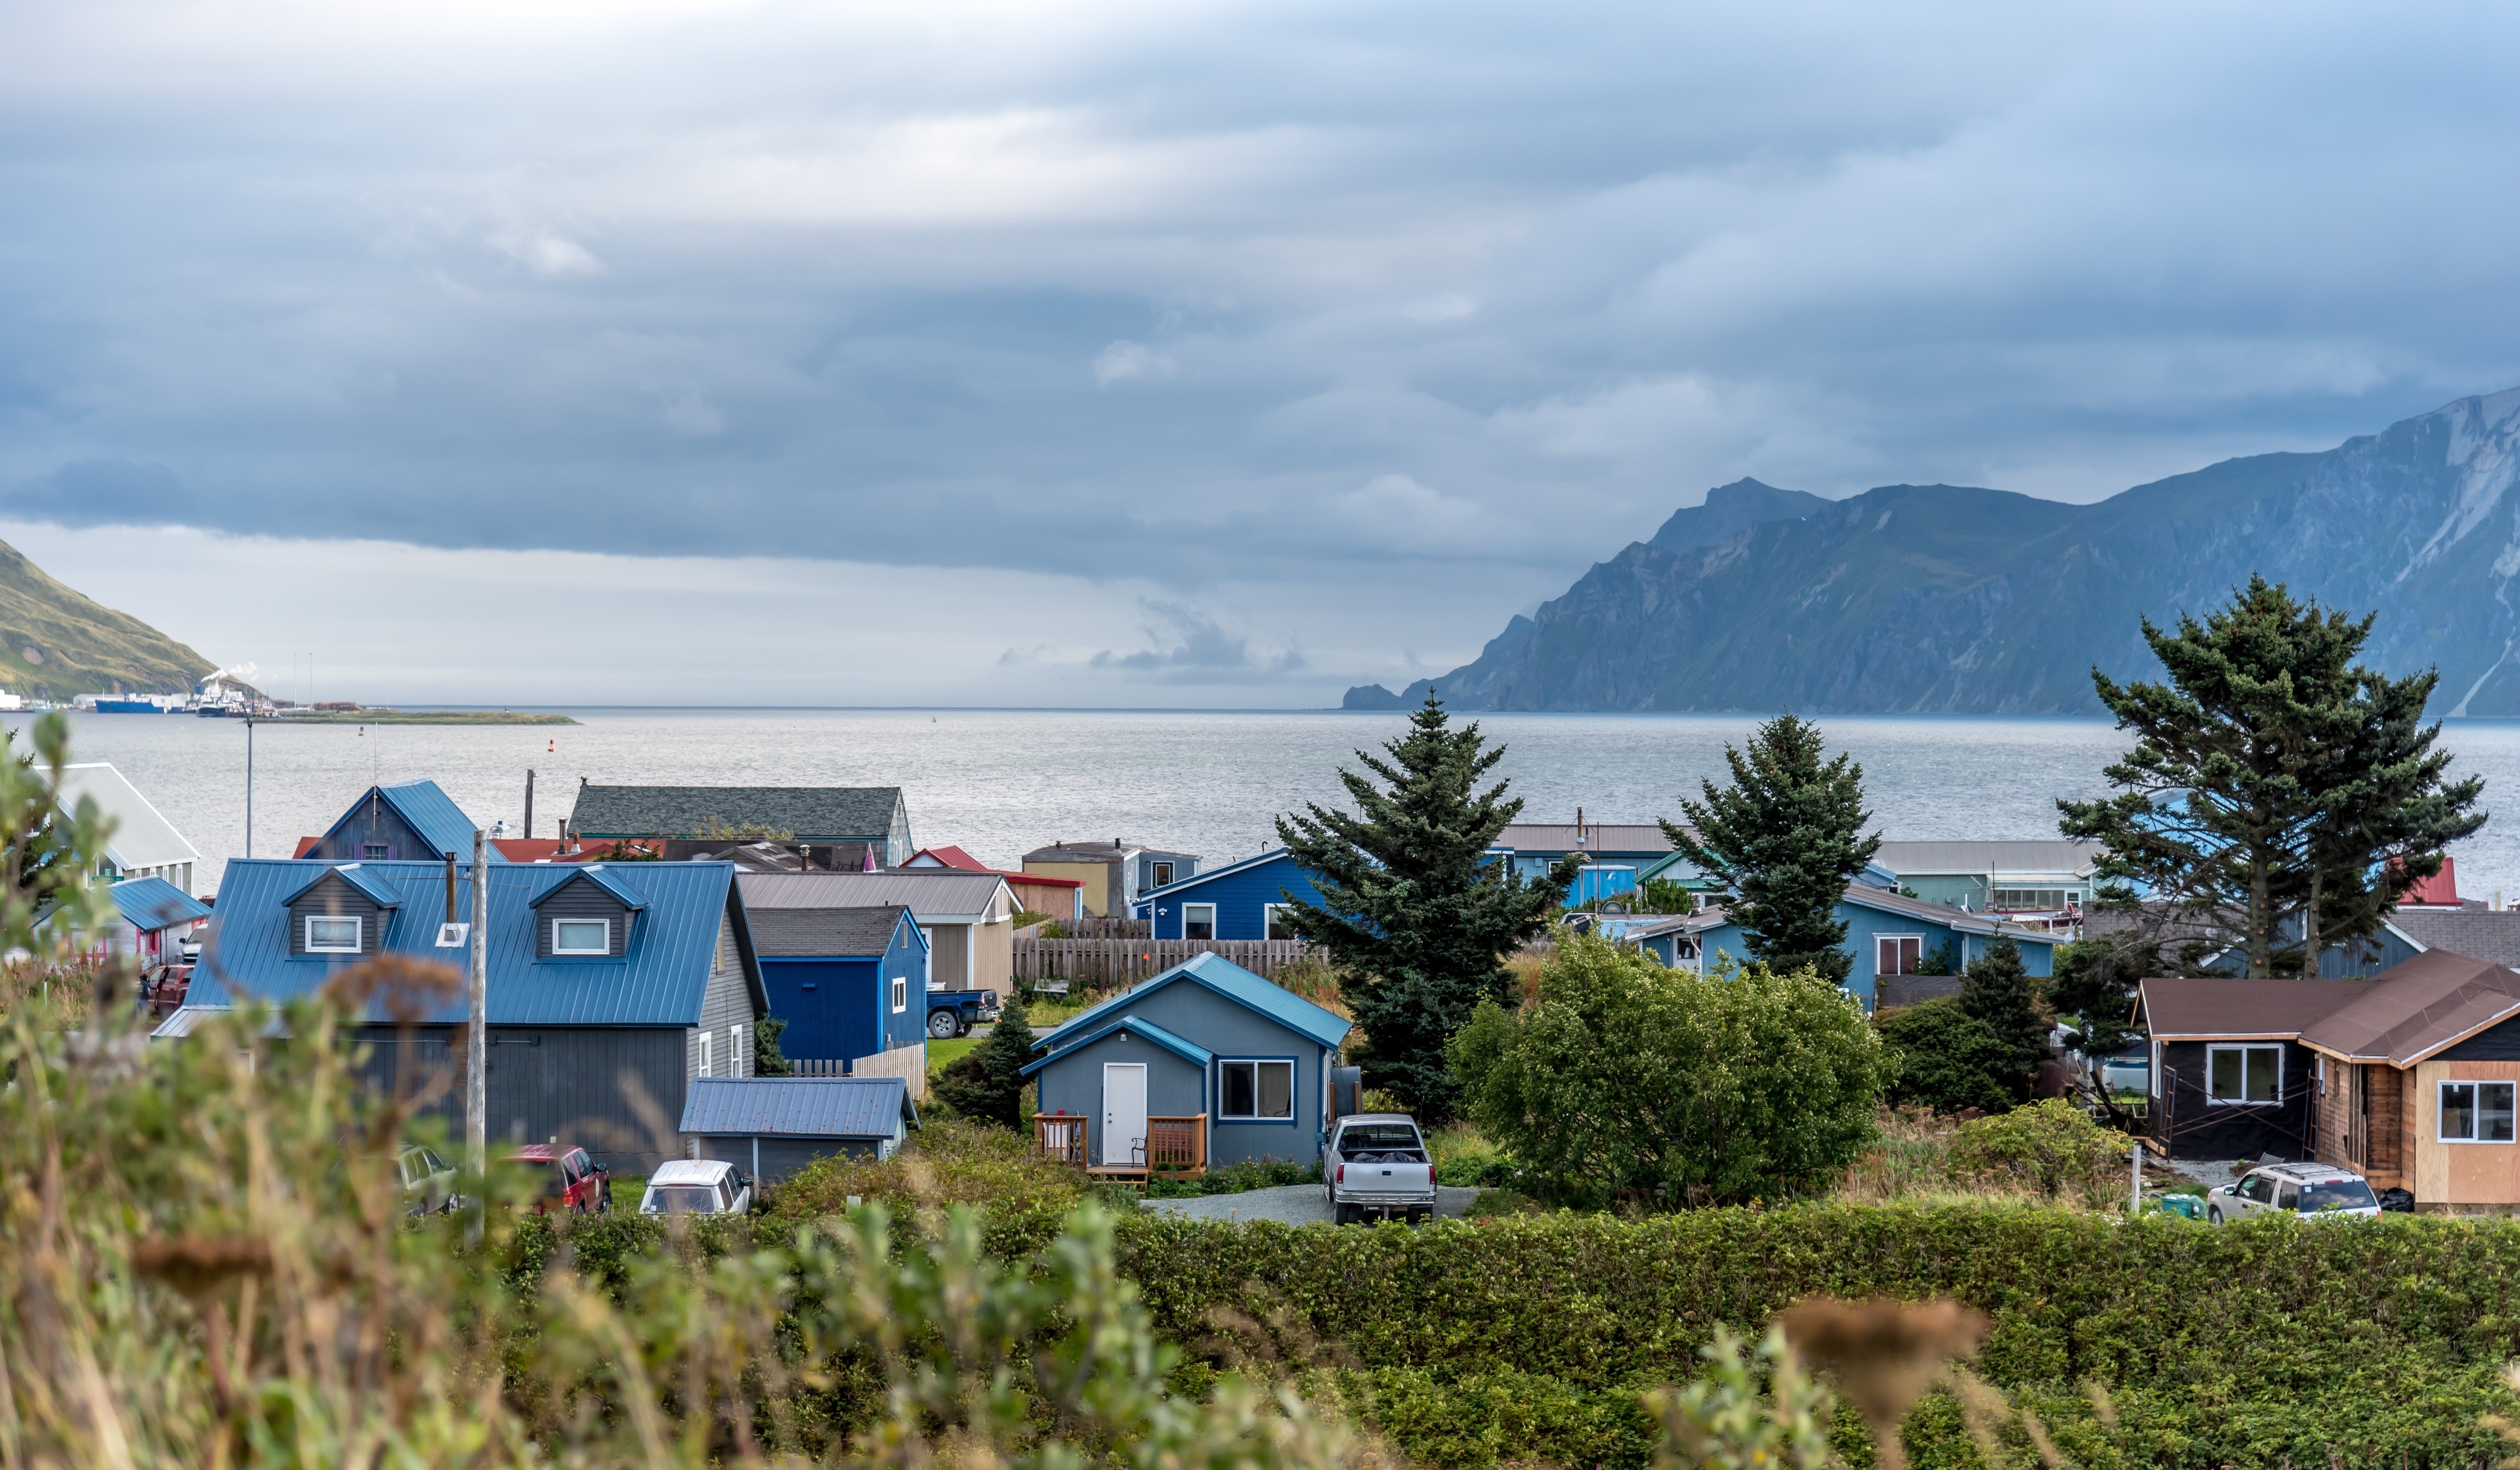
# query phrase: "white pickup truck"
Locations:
[[1377, 1163]]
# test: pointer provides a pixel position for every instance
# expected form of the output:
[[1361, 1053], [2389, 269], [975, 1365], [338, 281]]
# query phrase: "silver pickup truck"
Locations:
[[1377, 1163]]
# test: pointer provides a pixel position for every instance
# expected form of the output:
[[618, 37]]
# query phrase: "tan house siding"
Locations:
[[1096, 876], [994, 956], [2460, 1176]]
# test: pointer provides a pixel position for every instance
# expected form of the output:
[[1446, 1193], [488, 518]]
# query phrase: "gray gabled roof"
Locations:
[[811, 813], [937, 894], [2050, 855], [2484, 933], [800, 1108], [824, 933]]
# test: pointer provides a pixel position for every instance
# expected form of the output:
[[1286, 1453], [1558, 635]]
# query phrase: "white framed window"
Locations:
[[1273, 923], [2240, 1076], [1198, 921], [704, 1054], [581, 936], [735, 1052], [900, 993], [2476, 1112], [1897, 953], [333, 933], [1259, 1092]]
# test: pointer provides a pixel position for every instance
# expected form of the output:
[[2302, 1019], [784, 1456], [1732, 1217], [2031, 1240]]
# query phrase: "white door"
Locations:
[[1124, 1114]]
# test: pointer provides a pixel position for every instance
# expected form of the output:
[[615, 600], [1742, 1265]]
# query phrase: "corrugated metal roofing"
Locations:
[[809, 814], [824, 933], [354, 875], [186, 1019], [604, 878], [142, 837], [1226, 978], [933, 894], [803, 1108], [2052, 855], [433, 814], [658, 982], [1593, 837], [155, 904], [1958, 919], [1146, 1031], [2413, 1010], [2209, 1007]]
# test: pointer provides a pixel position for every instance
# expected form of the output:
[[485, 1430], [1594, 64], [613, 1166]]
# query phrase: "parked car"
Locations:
[[954, 1013], [697, 1186], [428, 1181], [1377, 1163], [2318, 1189], [571, 1179]]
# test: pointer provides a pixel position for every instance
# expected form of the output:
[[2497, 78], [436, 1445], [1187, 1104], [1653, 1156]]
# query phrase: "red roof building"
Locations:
[[1062, 899]]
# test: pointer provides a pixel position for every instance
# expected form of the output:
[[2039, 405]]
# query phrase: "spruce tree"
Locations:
[[1788, 837], [987, 1082], [1998, 990], [1410, 906], [2280, 797]]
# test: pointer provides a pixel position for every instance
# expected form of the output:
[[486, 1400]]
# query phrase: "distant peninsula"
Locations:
[[383, 714], [58, 644], [1955, 600]]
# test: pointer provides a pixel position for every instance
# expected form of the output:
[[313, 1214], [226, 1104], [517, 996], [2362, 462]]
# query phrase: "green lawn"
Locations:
[[943, 1054]]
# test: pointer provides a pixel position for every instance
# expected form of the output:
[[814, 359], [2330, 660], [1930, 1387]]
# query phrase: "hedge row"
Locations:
[[1529, 1338]]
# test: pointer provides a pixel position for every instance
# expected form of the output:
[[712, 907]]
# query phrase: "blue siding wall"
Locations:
[[1241, 898], [830, 1007], [1865, 926], [841, 1008]]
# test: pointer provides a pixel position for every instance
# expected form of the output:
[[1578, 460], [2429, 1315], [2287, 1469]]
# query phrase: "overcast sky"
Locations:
[[1177, 353]]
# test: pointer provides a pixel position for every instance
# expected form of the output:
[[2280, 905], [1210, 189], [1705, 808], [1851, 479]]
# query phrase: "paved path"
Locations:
[[1291, 1204]]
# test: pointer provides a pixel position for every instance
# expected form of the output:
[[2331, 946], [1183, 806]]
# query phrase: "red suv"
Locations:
[[572, 1179]]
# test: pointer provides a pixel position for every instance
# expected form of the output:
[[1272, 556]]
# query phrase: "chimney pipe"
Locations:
[[450, 888], [530, 804]]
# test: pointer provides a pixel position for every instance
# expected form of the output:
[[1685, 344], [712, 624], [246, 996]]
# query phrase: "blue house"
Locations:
[[1892, 938], [1239, 900], [1205, 1050], [846, 981], [147, 910], [411, 821], [610, 989]]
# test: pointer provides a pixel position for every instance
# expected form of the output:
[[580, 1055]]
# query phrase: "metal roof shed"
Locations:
[[144, 844], [774, 1125]]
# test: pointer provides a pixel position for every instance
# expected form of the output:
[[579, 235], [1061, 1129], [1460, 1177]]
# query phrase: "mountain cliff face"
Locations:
[[1945, 598], [55, 645]]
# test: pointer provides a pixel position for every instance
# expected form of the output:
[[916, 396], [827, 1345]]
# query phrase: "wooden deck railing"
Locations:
[[1175, 1146]]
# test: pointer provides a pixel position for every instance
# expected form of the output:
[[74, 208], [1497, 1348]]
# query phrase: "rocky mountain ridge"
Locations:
[[1949, 598]]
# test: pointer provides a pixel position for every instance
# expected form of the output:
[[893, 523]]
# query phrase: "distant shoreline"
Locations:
[[383, 716]]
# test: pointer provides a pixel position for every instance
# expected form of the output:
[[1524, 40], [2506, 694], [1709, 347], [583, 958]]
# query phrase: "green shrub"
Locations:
[[2051, 1146], [953, 1162], [1946, 1059], [1237, 1178], [987, 1082], [1628, 1083]]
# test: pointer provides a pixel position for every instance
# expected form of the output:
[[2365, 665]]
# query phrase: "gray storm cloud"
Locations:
[[1267, 293]]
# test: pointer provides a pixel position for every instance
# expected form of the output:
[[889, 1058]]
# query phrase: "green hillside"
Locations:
[[54, 643]]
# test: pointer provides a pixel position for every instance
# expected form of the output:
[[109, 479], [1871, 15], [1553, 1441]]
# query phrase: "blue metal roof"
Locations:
[[659, 982], [803, 1108], [353, 874], [1226, 978], [594, 873], [427, 810], [1146, 1031], [155, 904]]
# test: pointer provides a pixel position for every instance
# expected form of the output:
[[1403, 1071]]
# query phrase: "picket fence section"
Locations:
[[1112, 963]]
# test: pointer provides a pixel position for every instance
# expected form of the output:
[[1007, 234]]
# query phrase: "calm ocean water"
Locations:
[[1000, 782]]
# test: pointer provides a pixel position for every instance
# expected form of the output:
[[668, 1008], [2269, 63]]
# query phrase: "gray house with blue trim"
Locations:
[[1893, 939], [1206, 1038], [610, 990]]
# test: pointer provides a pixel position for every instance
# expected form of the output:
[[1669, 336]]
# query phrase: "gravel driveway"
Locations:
[[1291, 1204]]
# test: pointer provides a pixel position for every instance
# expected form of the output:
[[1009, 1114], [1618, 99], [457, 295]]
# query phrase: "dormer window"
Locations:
[[333, 934], [581, 936], [375, 852]]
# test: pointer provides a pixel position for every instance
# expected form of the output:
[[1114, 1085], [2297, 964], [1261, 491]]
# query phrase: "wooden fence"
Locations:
[[1089, 927], [1113, 963]]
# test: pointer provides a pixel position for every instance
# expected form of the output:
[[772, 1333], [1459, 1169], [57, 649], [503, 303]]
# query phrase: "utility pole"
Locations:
[[248, 785], [529, 808], [477, 1042]]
